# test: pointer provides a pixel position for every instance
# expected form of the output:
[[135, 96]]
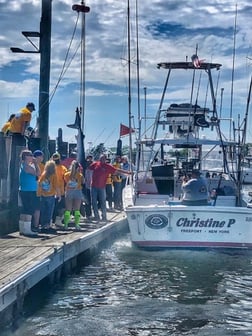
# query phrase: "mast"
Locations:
[[129, 84], [83, 10], [138, 74], [83, 68], [232, 81]]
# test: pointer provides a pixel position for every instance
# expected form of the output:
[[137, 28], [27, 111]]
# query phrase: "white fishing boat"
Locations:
[[182, 136], [247, 170]]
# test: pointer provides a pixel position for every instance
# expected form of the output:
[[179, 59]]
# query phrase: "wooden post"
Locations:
[[45, 51]]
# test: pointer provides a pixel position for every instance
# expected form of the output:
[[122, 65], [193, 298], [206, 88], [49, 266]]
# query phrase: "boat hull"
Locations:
[[178, 226]]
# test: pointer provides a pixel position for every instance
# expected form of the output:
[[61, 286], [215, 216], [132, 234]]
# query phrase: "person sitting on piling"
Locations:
[[19, 124], [194, 190]]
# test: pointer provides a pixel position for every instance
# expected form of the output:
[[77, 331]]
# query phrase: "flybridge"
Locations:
[[185, 142], [188, 65]]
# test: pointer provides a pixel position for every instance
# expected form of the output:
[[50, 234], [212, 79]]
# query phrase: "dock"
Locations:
[[25, 261]]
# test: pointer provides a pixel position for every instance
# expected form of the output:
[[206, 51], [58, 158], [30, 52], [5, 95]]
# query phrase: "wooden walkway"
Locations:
[[24, 261]]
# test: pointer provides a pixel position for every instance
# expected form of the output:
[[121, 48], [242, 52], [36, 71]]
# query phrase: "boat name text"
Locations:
[[206, 223]]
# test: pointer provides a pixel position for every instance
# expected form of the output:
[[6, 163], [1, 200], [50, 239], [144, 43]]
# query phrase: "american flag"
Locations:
[[196, 62]]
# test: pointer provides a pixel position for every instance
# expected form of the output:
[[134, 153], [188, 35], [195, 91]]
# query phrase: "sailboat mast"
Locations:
[[83, 60], [138, 72], [129, 83]]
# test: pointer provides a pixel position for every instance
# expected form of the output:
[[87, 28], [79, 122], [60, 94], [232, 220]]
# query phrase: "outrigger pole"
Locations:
[[81, 8]]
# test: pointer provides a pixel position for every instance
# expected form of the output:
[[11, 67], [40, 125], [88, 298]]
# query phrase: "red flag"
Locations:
[[125, 130]]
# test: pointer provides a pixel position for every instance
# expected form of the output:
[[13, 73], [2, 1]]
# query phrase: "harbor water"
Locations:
[[128, 291]]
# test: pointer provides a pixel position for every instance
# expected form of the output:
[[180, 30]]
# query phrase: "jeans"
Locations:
[[109, 194], [117, 195], [88, 208], [99, 195], [46, 210]]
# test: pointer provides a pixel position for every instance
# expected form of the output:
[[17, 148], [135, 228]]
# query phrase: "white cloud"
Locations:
[[168, 31]]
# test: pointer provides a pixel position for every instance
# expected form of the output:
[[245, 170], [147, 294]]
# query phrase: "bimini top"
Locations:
[[189, 65]]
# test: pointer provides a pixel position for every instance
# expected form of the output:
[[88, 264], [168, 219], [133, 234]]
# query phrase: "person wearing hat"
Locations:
[[194, 190], [67, 161], [39, 155], [20, 122]]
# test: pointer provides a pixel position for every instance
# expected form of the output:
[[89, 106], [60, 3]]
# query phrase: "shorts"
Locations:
[[74, 195], [30, 202]]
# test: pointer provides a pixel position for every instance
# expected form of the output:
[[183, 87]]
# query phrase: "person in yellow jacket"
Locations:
[[74, 181], [48, 189], [109, 189], [117, 184], [59, 204], [6, 126], [19, 124]]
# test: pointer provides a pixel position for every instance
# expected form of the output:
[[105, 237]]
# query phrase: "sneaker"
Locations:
[[77, 227], [96, 219], [51, 230], [48, 230]]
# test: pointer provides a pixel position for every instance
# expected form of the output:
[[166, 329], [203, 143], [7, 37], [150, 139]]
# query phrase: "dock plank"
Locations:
[[19, 253]]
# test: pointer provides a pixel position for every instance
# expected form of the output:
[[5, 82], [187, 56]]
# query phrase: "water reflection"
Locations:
[[127, 291]]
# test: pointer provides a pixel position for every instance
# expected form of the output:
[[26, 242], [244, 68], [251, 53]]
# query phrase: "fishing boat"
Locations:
[[184, 132], [247, 170]]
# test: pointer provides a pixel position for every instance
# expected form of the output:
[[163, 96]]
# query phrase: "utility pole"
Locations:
[[45, 60]]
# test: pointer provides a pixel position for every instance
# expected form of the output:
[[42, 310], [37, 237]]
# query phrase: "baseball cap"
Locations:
[[38, 153], [31, 105], [56, 156]]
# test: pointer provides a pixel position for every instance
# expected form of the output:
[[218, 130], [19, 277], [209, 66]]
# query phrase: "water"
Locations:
[[127, 291]]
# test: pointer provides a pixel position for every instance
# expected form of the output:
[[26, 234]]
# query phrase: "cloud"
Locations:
[[167, 30]]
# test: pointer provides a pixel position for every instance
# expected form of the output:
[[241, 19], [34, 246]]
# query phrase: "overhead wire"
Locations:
[[64, 66]]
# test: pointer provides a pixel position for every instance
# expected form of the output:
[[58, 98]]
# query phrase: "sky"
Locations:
[[168, 30]]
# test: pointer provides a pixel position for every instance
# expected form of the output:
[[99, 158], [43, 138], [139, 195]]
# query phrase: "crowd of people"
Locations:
[[57, 190], [51, 194]]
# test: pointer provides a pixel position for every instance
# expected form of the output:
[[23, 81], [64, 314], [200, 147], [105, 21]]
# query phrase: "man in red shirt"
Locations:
[[101, 170]]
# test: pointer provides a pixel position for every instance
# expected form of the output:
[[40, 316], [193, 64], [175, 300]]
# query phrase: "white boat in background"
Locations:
[[247, 170], [182, 135]]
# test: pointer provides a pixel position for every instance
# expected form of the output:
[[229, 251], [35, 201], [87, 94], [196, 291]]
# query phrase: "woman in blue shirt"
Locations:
[[28, 185]]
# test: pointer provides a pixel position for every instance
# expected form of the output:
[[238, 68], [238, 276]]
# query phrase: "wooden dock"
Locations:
[[25, 261]]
